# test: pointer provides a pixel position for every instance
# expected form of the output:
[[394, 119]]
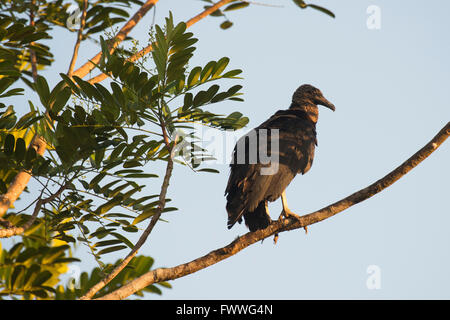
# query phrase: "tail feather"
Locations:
[[256, 219]]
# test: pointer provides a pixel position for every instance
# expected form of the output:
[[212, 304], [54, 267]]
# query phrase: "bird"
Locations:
[[249, 188]]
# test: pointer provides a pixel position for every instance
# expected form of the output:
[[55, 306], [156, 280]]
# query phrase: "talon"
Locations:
[[306, 229], [275, 238]]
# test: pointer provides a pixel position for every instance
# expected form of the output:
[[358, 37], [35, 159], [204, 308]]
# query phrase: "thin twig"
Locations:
[[164, 274], [13, 231], [162, 202], [79, 38], [33, 59], [149, 48], [88, 66]]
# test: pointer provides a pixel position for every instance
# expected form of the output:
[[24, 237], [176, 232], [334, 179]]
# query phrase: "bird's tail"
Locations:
[[258, 218]]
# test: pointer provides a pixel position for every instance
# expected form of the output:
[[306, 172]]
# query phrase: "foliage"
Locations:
[[100, 140], [31, 268], [135, 268], [98, 183]]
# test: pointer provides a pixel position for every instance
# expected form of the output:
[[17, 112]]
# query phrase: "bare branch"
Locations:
[[33, 58], [148, 49], [88, 66], [164, 274], [13, 231], [79, 38]]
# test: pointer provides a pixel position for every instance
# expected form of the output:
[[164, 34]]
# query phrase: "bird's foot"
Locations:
[[285, 214]]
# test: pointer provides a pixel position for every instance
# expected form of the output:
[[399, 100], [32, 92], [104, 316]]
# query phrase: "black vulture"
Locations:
[[265, 160]]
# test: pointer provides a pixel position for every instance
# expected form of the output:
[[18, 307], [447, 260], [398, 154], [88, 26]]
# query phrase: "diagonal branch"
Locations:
[[148, 49], [79, 38], [21, 180], [88, 66], [162, 202], [33, 58], [13, 231], [164, 274]]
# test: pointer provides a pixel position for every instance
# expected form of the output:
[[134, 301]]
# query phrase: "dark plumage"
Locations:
[[249, 188]]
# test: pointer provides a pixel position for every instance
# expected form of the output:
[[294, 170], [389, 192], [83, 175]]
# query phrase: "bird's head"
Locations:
[[308, 95]]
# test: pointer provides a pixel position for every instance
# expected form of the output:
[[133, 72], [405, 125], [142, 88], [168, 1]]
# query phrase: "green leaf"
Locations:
[[17, 275], [234, 89], [208, 170], [26, 120], [88, 89], [105, 243], [220, 66], [200, 98], [145, 215], [123, 239], [10, 141], [152, 288], [226, 24], [5, 83], [97, 179], [43, 90], [188, 98], [70, 83], [20, 149], [232, 73], [132, 164], [41, 278], [30, 156], [207, 71], [3, 187], [194, 76], [236, 6], [61, 99], [109, 205], [322, 9], [111, 249], [12, 92], [118, 93]]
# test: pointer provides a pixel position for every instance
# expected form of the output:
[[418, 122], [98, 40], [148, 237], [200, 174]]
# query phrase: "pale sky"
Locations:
[[390, 87]]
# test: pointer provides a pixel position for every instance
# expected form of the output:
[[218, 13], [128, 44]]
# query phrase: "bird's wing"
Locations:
[[247, 186]]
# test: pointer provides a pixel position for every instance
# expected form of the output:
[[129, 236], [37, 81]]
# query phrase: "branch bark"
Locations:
[[164, 274], [88, 66], [79, 38], [33, 59], [148, 49]]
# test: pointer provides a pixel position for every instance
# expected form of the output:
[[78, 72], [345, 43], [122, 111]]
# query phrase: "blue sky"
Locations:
[[391, 91]]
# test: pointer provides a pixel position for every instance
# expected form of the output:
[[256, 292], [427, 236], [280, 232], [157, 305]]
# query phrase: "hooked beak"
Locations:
[[324, 102]]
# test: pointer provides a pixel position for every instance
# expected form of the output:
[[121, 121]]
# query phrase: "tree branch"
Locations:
[[148, 49], [164, 274], [79, 38], [88, 66], [21, 180], [13, 231], [161, 205]]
